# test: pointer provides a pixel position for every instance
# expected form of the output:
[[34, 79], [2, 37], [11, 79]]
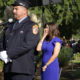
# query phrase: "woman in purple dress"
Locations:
[[50, 45]]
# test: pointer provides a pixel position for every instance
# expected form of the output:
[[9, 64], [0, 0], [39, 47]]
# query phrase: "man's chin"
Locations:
[[15, 17]]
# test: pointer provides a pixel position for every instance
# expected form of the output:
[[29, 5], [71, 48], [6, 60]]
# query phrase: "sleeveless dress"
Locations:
[[52, 70]]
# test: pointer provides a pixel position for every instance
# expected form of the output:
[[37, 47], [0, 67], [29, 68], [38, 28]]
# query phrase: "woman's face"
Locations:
[[47, 28]]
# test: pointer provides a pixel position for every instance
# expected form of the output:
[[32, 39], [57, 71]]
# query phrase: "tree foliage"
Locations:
[[3, 4], [66, 14]]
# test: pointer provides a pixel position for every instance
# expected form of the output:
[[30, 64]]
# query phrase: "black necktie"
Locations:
[[15, 24]]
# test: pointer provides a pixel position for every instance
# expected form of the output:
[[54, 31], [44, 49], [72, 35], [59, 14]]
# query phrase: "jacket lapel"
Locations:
[[19, 25]]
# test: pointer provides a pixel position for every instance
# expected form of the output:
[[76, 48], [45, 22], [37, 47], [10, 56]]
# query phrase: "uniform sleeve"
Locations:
[[30, 41]]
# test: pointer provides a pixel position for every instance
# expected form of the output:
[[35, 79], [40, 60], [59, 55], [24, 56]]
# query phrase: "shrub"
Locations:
[[1, 65], [76, 56], [64, 56]]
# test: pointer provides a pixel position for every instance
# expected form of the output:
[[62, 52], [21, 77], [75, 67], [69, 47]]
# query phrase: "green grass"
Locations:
[[1, 65], [75, 61]]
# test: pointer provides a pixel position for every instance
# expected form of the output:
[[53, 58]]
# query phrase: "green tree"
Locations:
[[66, 14], [3, 4]]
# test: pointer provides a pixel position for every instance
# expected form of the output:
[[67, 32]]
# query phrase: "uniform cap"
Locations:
[[24, 3]]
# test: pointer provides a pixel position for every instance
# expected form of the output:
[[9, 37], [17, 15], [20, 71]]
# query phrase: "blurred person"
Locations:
[[50, 45], [78, 46], [64, 41], [19, 44]]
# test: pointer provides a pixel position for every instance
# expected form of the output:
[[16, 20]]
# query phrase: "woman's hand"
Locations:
[[39, 46], [44, 68]]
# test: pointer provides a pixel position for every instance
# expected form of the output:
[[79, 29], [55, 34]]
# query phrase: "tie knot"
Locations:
[[15, 24]]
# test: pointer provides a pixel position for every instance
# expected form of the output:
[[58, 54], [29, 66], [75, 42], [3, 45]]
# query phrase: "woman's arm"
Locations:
[[39, 46], [53, 57]]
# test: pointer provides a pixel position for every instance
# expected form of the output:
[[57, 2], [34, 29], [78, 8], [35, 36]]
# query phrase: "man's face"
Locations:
[[19, 12]]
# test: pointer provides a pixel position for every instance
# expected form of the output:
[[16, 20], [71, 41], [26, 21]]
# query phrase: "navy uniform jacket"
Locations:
[[21, 46]]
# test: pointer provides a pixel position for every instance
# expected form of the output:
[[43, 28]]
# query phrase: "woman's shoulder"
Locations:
[[56, 39]]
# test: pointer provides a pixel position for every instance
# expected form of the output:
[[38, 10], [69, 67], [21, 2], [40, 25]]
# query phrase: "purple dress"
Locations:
[[52, 70]]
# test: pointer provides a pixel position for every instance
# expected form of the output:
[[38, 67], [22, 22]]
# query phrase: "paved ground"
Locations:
[[1, 76], [68, 73], [71, 72]]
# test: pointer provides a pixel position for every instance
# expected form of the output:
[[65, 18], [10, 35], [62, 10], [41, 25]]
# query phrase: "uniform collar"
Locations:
[[22, 22], [22, 19]]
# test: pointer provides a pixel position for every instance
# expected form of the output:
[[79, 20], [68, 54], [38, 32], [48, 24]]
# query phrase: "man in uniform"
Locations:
[[20, 40]]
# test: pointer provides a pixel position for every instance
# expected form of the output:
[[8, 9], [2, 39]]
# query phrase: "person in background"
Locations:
[[78, 46], [64, 41], [50, 45], [20, 43]]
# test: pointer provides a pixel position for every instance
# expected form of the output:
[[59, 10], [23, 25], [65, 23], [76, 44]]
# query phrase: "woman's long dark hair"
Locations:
[[53, 31]]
